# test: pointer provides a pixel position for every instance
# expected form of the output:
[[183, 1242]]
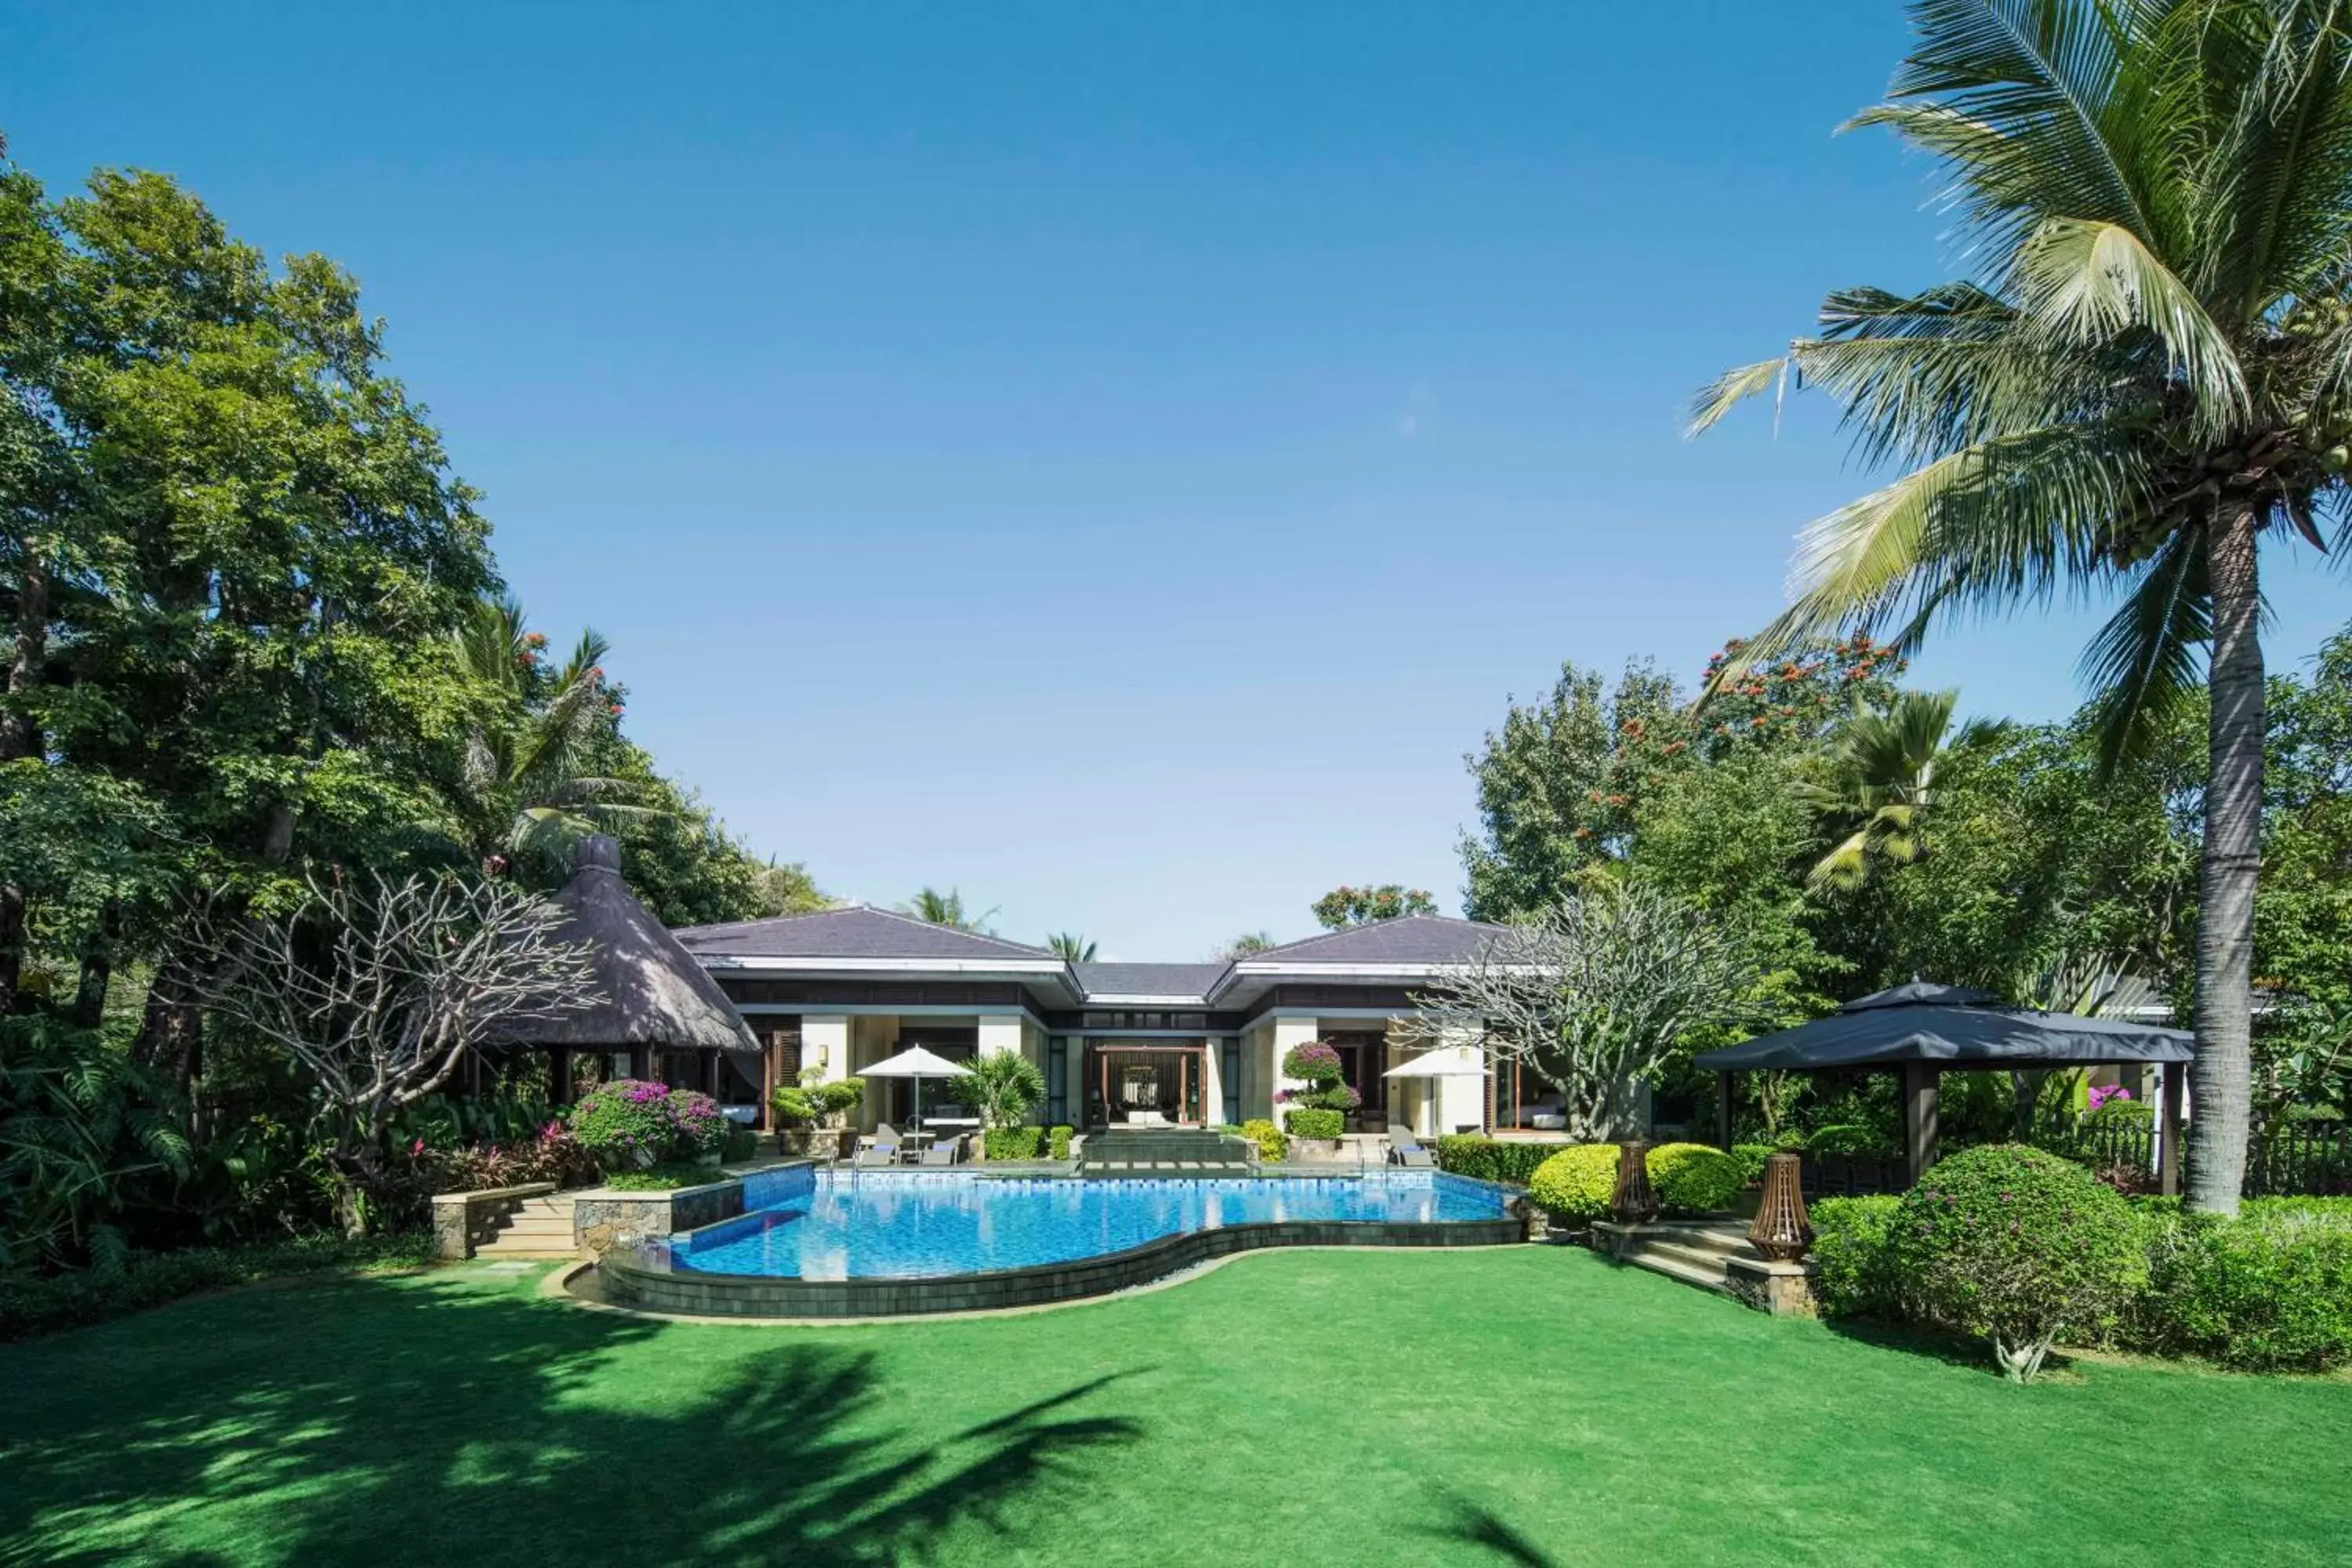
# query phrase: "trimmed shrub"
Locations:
[[1751, 1158], [1854, 1242], [741, 1144], [1850, 1137], [1491, 1159], [1057, 1142], [1272, 1144], [1014, 1143], [2017, 1245], [2269, 1291], [664, 1177], [1576, 1183], [2139, 1113], [1316, 1124], [629, 1117], [1693, 1178]]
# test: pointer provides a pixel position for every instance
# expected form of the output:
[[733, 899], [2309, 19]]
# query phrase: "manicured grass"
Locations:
[[1526, 1405]]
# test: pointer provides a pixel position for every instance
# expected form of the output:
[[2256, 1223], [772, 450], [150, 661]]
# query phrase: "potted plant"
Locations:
[[812, 1112]]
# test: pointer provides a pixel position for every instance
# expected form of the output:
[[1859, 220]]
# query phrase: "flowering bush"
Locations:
[[1317, 1065], [629, 1119], [701, 1129], [2102, 1093], [553, 1154]]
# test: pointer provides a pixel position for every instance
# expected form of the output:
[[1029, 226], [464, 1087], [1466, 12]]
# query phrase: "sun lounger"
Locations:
[[1406, 1150]]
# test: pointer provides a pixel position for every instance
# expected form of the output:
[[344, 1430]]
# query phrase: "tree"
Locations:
[[1594, 995], [1000, 1086], [2148, 375], [1344, 907], [1071, 947], [379, 987], [527, 783], [947, 910], [1243, 945], [1879, 782]]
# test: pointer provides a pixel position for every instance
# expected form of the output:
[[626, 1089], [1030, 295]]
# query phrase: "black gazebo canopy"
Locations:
[[1925, 1030]]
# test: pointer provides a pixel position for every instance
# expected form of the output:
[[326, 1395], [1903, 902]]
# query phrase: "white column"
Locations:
[[1288, 1034], [1212, 1091], [1461, 1101], [1000, 1032]]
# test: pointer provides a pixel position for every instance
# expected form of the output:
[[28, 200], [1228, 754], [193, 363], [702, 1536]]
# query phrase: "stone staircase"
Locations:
[[530, 1228], [1710, 1255], [1164, 1152]]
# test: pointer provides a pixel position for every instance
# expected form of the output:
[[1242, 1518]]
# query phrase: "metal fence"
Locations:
[[2295, 1160]]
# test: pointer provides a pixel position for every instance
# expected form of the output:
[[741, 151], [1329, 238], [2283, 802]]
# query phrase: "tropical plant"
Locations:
[[2148, 375], [1877, 783], [817, 1101], [1000, 1086], [80, 1126], [1243, 945], [527, 783], [948, 910], [1344, 907], [1071, 947]]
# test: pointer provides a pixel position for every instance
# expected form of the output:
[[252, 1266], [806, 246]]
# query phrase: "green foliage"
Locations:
[[741, 1143], [1751, 1158], [816, 1100], [37, 1304], [1879, 782], [1014, 1143], [1244, 945], [2017, 1245], [625, 1119], [1058, 1146], [1071, 947], [1000, 1087], [1315, 1122], [948, 910], [81, 1136], [1693, 1178], [1847, 1138], [1491, 1159], [1576, 1183], [1853, 1245], [667, 1176], [1271, 1143], [2268, 1290], [1343, 906]]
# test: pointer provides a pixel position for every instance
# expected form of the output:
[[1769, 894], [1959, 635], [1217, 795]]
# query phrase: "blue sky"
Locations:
[[1112, 459]]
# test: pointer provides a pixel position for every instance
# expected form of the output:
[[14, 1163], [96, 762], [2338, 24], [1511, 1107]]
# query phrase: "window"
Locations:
[[1230, 1081], [1057, 1081]]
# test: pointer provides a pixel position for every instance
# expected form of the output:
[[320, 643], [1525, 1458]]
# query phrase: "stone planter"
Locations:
[[1316, 1150]]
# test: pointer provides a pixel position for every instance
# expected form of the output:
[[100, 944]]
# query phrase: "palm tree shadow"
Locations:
[[1475, 1524], [445, 1424]]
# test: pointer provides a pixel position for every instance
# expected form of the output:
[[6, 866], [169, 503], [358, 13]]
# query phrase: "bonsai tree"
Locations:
[[1000, 1087], [817, 1101], [1318, 1110]]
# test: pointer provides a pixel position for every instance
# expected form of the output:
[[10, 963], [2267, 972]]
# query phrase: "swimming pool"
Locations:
[[890, 1224]]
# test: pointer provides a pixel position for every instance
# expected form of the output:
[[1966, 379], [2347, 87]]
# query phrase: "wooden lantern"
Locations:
[[1633, 1203], [1782, 1231]]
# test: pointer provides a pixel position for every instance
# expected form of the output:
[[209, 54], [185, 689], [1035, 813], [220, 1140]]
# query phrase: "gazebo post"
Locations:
[[706, 1072], [2168, 1153], [641, 1061], [558, 1074], [1920, 1111], [1723, 1105]]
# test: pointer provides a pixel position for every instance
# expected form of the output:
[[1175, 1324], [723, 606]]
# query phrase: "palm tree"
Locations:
[[1879, 782], [947, 910], [526, 783], [2147, 377], [1071, 947]]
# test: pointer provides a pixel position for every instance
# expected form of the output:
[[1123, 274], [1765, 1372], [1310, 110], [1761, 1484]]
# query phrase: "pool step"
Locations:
[[1163, 1152]]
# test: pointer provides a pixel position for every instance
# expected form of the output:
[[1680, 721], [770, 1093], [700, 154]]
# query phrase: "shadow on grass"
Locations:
[[1475, 1524], [443, 1422], [1936, 1344]]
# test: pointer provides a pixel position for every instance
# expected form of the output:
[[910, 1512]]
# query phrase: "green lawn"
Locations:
[[1524, 1405]]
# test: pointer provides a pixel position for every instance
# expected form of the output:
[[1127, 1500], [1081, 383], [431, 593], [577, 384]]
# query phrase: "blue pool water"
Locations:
[[907, 1225]]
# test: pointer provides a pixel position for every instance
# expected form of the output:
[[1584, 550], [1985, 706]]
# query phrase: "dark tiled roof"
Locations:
[[1191, 981], [1412, 939], [854, 932]]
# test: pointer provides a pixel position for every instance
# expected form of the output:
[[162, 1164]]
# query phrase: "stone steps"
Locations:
[[534, 1227], [1712, 1255]]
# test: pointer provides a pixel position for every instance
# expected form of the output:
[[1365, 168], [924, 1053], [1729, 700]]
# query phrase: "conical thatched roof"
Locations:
[[655, 994]]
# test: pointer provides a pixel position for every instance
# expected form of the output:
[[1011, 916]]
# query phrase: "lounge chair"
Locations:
[[941, 1153], [1406, 1150], [882, 1149]]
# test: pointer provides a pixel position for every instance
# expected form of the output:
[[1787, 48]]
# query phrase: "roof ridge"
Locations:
[[1350, 931], [960, 930]]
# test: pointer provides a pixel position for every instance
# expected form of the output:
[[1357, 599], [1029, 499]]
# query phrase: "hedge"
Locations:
[[1316, 1124], [1014, 1143], [36, 1304], [1853, 1247], [1693, 1178], [1490, 1159], [1576, 1183], [1271, 1143], [1057, 1142]]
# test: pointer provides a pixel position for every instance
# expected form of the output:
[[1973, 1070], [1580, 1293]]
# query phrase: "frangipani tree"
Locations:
[[2144, 379], [1593, 994]]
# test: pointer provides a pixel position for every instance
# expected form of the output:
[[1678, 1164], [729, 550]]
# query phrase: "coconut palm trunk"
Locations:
[[2222, 1076]]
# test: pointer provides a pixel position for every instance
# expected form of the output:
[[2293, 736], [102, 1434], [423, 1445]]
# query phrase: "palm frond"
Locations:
[[2144, 661], [2083, 281], [1734, 387]]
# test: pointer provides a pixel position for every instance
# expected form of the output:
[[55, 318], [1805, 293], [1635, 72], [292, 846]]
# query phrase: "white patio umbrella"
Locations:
[[915, 1063], [1432, 1066]]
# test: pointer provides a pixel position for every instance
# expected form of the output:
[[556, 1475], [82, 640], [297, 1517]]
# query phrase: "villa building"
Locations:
[[842, 989]]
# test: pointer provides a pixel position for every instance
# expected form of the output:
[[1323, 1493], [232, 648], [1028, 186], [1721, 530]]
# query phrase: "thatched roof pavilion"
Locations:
[[654, 996]]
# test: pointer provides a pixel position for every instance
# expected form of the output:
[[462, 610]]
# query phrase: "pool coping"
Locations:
[[634, 1285]]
